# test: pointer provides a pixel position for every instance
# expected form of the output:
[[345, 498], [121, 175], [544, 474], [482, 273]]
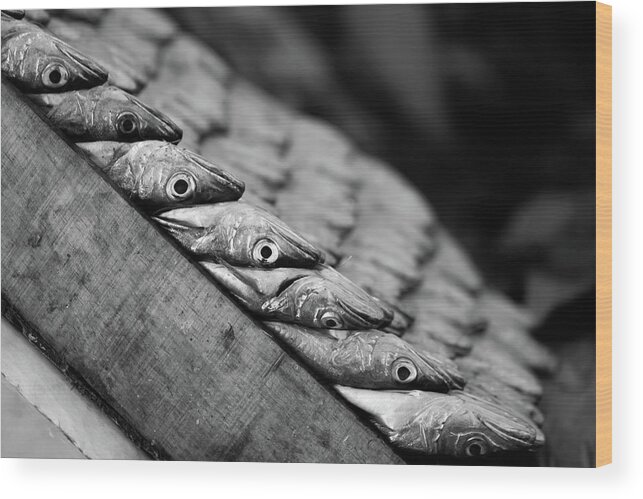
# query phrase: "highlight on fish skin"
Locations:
[[106, 113], [368, 359], [158, 175], [38, 62], [327, 300], [456, 424], [240, 234]]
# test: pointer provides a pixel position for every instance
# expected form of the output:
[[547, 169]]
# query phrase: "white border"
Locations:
[[110, 479]]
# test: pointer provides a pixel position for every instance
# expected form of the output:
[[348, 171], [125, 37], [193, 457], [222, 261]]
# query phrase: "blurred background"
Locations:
[[489, 109]]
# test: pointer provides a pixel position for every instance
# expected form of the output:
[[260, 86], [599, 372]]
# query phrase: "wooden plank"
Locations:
[[603, 234], [126, 316], [48, 391]]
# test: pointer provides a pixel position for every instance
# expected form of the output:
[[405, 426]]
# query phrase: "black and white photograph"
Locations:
[[348, 234]]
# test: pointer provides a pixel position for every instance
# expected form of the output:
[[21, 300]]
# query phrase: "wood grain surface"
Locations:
[[141, 330], [603, 234]]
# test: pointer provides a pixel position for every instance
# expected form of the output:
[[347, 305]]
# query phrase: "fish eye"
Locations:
[[127, 123], [476, 448], [404, 371], [55, 75], [180, 186], [331, 320], [265, 252]]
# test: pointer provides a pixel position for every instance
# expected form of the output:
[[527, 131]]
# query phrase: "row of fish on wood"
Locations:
[[328, 263]]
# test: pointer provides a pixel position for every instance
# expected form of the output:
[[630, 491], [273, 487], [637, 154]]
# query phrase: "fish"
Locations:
[[39, 16], [437, 328], [91, 16], [489, 357], [401, 321], [148, 24], [316, 298], [489, 388], [368, 359], [15, 13], [239, 234], [157, 175], [509, 325], [456, 424], [330, 301], [106, 113], [38, 62], [120, 64]]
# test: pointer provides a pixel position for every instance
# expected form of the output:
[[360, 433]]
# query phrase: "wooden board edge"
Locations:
[[44, 387], [603, 234]]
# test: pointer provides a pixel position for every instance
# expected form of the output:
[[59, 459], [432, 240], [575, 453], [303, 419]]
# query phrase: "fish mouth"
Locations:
[[524, 436], [162, 124], [446, 370], [400, 322], [363, 314], [89, 70], [303, 250], [225, 181], [177, 221]]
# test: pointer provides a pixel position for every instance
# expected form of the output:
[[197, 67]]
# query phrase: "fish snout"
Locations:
[[364, 312], [167, 129], [88, 73], [230, 187], [517, 433], [443, 372]]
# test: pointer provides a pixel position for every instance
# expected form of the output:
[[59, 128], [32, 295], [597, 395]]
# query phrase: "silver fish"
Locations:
[[317, 298], [330, 301], [39, 16], [455, 424], [240, 234], [493, 390], [489, 357], [37, 62], [120, 64], [368, 359], [106, 113], [158, 175]]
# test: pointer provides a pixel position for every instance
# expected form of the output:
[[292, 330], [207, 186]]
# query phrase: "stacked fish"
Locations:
[[344, 262]]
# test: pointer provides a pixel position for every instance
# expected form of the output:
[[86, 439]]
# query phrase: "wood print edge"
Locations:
[[603, 234]]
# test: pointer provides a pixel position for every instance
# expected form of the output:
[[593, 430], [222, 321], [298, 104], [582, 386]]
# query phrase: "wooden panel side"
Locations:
[[132, 321], [603, 234], [50, 393]]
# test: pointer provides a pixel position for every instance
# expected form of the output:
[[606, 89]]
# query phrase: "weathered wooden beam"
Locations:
[[137, 326]]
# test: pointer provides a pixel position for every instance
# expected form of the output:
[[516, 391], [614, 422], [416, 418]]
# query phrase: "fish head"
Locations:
[[130, 120], [269, 242], [455, 424], [47, 64], [414, 369], [480, 428], [244, 235], [169, 176], [317, 302]]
